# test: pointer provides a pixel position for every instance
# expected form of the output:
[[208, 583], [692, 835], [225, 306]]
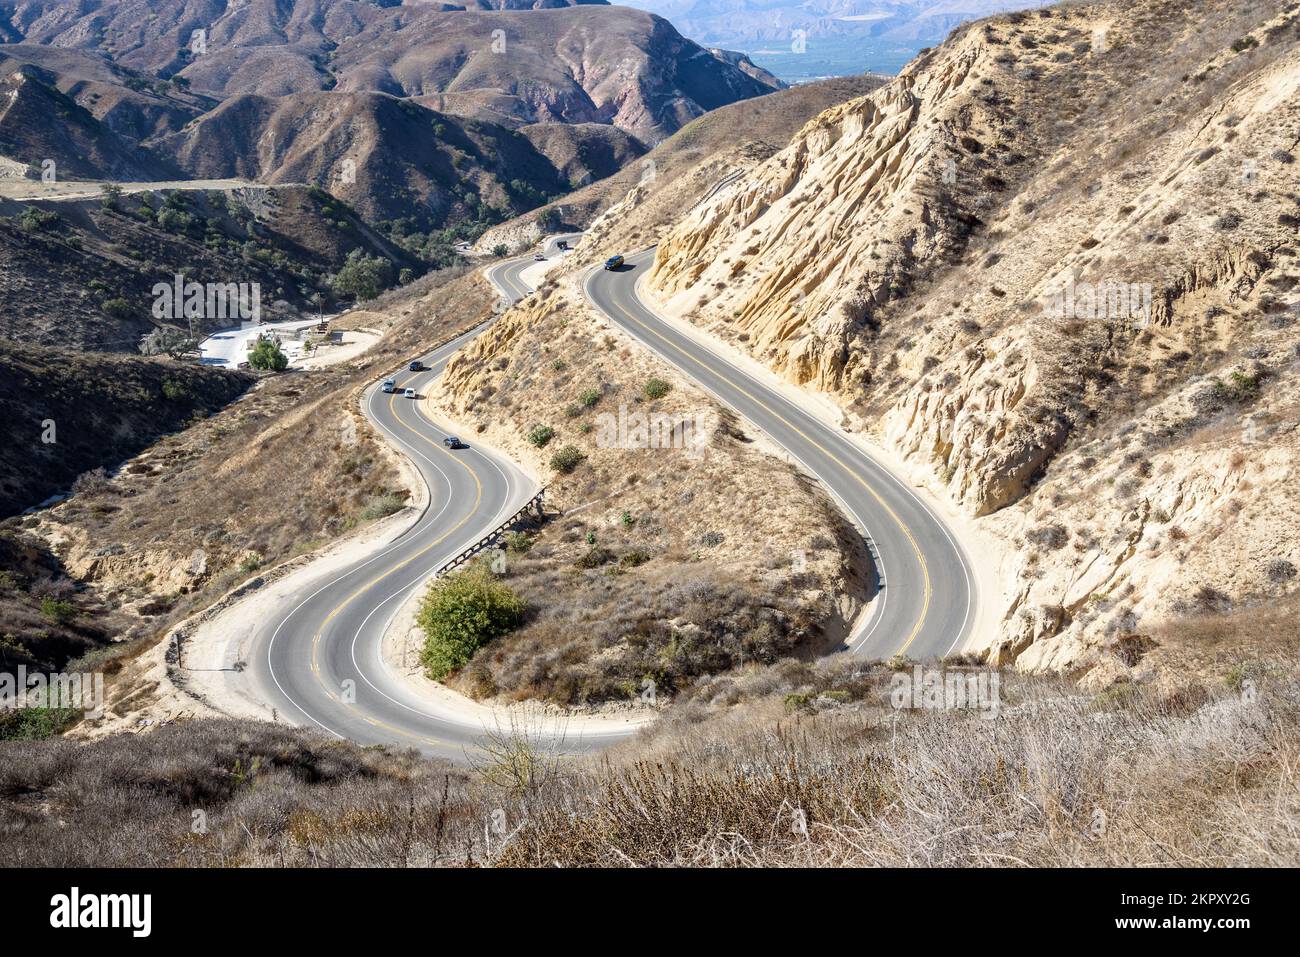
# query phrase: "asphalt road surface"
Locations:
[[318, 659], [925, 601]]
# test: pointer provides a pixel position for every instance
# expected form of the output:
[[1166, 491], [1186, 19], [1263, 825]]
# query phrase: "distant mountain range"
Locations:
[[430, 111], [800, 40], [737, 22]]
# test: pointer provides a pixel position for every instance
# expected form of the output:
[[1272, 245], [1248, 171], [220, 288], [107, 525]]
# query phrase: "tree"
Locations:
[[267, 355], [460, 614], [110, 193], [167, 340], [549, 219], [362, 277]]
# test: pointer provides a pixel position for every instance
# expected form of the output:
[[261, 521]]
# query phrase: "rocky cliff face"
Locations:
[[1057, 254]]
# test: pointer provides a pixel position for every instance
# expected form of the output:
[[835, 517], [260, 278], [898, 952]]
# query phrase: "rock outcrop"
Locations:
[[1061, 230]]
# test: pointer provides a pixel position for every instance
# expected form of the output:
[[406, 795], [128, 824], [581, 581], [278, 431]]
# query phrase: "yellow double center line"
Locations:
[[316, 639], [920, 557]]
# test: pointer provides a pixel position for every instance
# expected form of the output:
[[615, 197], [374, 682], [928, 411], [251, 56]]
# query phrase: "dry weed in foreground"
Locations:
[[1057, 779]]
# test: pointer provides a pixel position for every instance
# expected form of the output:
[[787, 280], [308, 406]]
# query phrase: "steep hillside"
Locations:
[[135, 106], [583, 152], [100, 259], [71, 412], [1054, 265], [389, 157], [423, 117], [40, 125], [647, 195]]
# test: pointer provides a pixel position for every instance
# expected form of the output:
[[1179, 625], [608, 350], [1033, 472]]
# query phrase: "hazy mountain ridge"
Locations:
[[735, 21]]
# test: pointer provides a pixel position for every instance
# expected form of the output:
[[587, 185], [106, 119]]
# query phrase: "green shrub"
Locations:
[[174, 220], [268, 355], [1240, 387], [596, 556], [35, 724], [117, 308], [655, 388], [567, 459], [634, 559], [379, 506], [519, 542], [251, 563], [589, 397], [462, 613], [109, 195], [33, 220], [540, 435], [174, 391], [58, 611]]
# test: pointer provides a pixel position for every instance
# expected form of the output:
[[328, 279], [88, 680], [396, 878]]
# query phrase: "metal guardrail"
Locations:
[[487, 541]]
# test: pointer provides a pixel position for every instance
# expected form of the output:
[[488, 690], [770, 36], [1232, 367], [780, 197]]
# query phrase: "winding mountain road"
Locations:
[[317, 659], [926, 593]]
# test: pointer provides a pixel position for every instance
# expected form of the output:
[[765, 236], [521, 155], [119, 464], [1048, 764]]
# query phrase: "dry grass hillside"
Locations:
[[782, 766], [389, 157], [962, 260], [290, 466], [583, 152], [425, 117], [688, 557], [40, 124], [136, 106]]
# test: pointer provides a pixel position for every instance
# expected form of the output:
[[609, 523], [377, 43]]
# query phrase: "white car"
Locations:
[[389, 385], [409, 393]]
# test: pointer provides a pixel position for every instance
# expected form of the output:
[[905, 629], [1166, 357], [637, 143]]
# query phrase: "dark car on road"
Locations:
[[613, 262], [417, 366], [453, 443]]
